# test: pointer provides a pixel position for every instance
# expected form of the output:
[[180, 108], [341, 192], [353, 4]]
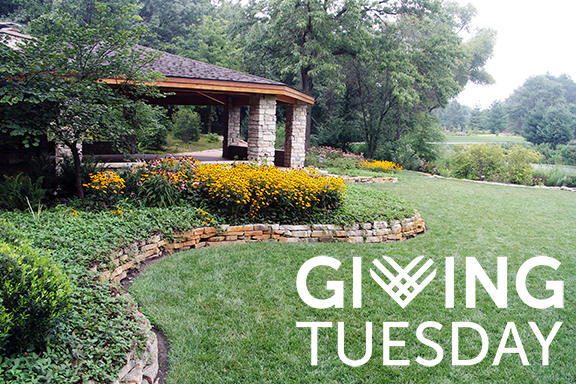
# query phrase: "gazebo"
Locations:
[[192, 82]]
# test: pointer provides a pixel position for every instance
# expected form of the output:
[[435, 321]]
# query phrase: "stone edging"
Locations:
[[366, 179], [145, 370]]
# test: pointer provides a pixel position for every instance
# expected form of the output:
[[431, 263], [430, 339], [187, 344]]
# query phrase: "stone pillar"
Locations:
[[262, 128], [231, 127], [295, 144]]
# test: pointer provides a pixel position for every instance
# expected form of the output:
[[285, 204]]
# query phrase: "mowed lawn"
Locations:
[[230, 313]]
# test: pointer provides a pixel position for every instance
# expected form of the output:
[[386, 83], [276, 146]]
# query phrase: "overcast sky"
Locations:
[[534, 37]]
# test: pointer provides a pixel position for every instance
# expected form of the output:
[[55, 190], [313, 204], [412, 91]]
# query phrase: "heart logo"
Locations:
[[402, 287]]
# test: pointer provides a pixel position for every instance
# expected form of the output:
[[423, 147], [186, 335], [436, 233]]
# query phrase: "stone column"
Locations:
[[231, 127], [262, 128], [295, 144]]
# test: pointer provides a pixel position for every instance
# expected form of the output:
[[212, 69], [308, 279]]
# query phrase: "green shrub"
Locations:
[[33, 295], [327, 157], [554, 177], [212, 138], [16, 192], [519, 164], [186, 125], [478, 162]]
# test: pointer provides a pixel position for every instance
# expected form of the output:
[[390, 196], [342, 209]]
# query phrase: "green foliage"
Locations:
[[52, 85], [478, 162], [554, 176], [163, 182], [562, 155], [19, 191], [553, 125], [212, 138], [33, 295], [536, 91], [454, 115], [328, 157], [150, 124], [519, 164], [209, 42], [496, 118], [365, 205], [186, 125]]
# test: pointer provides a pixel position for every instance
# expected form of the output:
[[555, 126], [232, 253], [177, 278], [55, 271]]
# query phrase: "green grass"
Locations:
[[361, 172], [230, 313], [486, 138], [178, 146]]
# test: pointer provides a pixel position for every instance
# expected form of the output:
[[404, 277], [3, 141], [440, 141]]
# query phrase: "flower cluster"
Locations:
[[266, 191], [381, 166], [178, 172], [107, 182], [164, 181], [206, 219]]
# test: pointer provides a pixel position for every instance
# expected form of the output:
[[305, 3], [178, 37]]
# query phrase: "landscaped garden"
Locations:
[[230, 313], [61, 321]]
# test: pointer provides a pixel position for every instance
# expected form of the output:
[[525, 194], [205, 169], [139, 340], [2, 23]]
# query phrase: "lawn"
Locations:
[[178, 146], [230, 313], [487, 138]]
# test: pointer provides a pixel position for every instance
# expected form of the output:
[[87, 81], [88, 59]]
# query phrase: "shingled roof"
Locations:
[[177, 66]]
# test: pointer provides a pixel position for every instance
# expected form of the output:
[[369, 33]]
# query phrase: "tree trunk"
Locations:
[[77, 162], [209, 127], [307, 88]]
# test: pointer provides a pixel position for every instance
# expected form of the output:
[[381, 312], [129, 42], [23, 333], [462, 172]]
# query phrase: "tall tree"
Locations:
[[496, 118], [52, 85], [454, 115], [413, 64], [477, 119], [296, 39], [536, 91], [553, 125]]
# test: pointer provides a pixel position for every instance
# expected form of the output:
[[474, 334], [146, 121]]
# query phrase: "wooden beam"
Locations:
[[176, 84]]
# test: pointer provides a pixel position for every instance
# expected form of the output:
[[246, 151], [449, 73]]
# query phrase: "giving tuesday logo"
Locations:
[[403, 284]]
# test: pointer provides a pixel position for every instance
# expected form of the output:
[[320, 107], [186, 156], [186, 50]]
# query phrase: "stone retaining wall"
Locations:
[[367, 179], [144, 370], [155, 246]]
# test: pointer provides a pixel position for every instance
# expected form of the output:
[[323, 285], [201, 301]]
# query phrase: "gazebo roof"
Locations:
[[197, 83], [193, 82], [171, 65]]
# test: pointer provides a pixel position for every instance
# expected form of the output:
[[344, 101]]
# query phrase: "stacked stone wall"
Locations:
[[144, 369], [262, 128]]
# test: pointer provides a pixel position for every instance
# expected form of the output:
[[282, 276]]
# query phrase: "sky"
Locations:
[[534, 37]]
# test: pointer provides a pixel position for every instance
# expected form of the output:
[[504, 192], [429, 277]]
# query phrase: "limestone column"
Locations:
[[262, 128], [295, 144], [231, 127]]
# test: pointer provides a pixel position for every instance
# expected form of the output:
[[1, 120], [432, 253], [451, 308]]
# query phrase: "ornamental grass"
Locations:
[[266, 192]]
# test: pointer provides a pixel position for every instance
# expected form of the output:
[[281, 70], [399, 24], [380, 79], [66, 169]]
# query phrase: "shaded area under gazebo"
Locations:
[[192, 82]]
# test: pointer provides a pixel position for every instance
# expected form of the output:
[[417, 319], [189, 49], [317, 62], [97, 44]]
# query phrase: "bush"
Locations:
[[212, 138], [519, 164], [478, 162], [554, 177], [33, 295], [248, 191], [16, 192], [186, 125], [327, 157]]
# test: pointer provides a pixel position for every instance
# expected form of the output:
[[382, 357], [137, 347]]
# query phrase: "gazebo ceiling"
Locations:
[[194, 82]]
